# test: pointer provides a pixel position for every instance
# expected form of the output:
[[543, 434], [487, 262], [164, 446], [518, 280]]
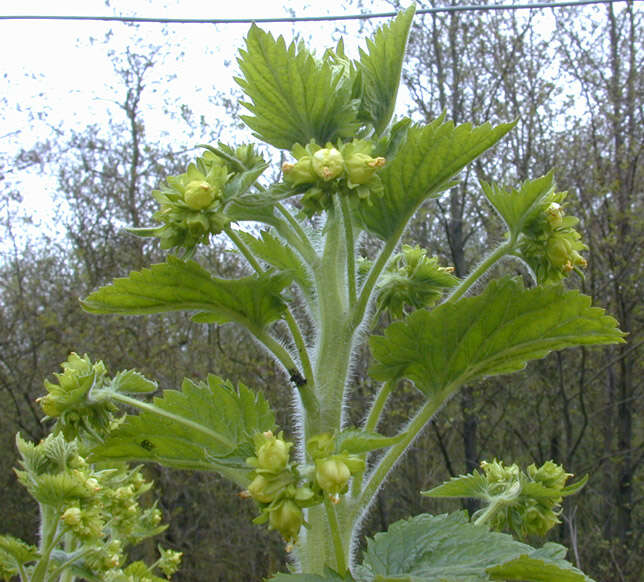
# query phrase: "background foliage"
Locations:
[[577, 92]]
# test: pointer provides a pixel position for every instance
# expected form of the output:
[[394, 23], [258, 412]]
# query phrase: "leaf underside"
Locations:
[[423, 167], [494, 333], [178, 285], [223, 421], [443, 548]]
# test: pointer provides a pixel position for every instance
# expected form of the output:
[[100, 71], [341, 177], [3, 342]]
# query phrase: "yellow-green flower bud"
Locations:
[[559, 250], [199, 194], [273, 455], [549, 474], [554, 214], [287, 519], [301, 172], [260, 489], [361, 167], [332, 475], [328, 163], [72, 516], [321, 445]]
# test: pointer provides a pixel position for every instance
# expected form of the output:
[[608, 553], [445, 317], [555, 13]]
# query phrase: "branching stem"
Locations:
[[505, 248], [350, 242], [335, 534]]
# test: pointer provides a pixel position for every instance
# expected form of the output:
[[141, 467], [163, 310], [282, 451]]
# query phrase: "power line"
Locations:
[[290, 19]]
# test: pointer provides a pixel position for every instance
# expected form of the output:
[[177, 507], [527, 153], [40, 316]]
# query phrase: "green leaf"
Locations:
[[294, 97], [380, 69], [423, 167], [185, 286], [132, 382], [445, 548], [273, 251], [329, 576], [496, 332], [14, 553], [354, 441], [205, 426], [473, 485], [517, 207]]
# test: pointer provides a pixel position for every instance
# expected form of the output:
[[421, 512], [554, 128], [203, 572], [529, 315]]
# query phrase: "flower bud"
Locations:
[[301, 172], [287, 519], [199, 194], [361, 167], [559, 251], [72, 516], [260, 489], [273, 455], [332, 475], [328, 163], [549, 475], [321, 445], [554, 214]]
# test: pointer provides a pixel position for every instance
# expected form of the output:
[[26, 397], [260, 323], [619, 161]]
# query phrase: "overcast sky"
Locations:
[[60, 74]]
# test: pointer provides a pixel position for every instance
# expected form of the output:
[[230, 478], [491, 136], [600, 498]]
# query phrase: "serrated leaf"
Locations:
[[494, 333], [355, 441], [133, 382], [273, 251], [185, 286], [15, 552], [443, 548], [380, 67], [329, 576], [203, 427], [423, 167], [517, 207], [530, 569], [294, 97]]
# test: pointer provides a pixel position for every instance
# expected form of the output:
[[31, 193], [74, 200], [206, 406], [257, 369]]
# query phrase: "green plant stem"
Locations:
[[294, 328], [373, 276], [335, 534], [505, 248], [377, 406], [390, 458], [370, 425], [48, 528], [295, 225], [349, 243]]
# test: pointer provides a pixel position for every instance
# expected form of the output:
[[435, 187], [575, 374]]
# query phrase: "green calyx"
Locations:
[[549, 243], [413, 281], [321, 172]]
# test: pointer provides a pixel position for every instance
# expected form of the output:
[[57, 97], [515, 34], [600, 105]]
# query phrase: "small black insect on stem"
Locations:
[[297, 378]]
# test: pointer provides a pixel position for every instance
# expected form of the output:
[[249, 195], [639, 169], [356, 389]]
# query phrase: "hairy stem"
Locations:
[[335, 534], [390, 458], [350, 243], [305, 389], [504, 249]]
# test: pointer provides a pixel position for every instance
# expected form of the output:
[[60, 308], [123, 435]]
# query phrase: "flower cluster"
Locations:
[[275, 486], [192, 203], [319, 172], [412, 280], [69, 399], [530, 502], [283, 489], [97, 509], [550, 244]]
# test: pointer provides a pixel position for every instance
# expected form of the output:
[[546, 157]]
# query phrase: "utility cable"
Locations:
[[291, 19]]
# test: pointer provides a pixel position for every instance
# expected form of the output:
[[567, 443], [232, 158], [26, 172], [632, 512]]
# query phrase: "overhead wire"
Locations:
[[291, 19]]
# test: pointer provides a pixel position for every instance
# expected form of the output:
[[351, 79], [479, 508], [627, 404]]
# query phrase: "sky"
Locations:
[[59, 76]]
